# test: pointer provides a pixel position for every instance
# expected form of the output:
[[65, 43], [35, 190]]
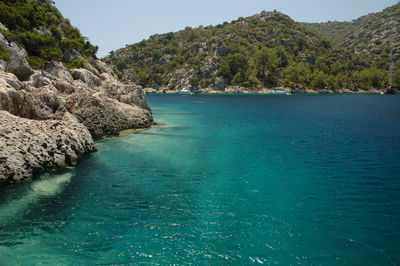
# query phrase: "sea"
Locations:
[[222, 180]]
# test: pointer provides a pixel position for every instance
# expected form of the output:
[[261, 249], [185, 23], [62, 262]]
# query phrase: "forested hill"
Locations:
[[371, 36], [265, 50]]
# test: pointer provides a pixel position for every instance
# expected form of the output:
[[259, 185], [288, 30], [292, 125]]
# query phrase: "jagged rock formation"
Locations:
[[48, 117]]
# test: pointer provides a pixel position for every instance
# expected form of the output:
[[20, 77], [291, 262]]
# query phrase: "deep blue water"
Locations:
[[226, 180]]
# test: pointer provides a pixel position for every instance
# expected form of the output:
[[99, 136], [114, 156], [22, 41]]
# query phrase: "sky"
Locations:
[[113, 24]]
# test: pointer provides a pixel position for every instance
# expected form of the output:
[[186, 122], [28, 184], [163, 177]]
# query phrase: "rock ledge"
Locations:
[[48, 118]]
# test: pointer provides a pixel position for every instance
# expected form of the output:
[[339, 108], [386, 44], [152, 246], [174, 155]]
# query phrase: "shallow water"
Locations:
[[307, 180]]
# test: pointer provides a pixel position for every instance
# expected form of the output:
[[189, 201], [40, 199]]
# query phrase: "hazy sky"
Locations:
[[111, 24]]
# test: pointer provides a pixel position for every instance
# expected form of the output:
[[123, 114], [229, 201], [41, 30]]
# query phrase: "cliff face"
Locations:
[[49, 116]]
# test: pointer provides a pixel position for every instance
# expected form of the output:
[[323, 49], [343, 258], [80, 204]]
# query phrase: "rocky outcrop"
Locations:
[[18, 63], [30, 146], [48, 118], [103, 115]]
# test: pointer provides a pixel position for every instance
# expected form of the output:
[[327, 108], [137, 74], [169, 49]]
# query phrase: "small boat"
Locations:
[[185, 91], [279, 92], [389, 89]]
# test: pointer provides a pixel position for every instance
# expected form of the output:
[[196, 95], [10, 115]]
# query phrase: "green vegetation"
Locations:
[[42, 30], [5, 54], [36, 62], [76, 63], [333, 31], [265, 50], [371, 36]]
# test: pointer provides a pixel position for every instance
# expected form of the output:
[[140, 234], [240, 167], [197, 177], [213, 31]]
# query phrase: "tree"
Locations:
[[266, 62], [283, 55], [370, 78], [143, 78], [319, 80], [321, 66], [234, 68], [298, 73], [194, 81]]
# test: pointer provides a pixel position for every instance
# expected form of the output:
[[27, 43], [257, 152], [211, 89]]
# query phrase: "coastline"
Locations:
[[265, 91], [52, 118]]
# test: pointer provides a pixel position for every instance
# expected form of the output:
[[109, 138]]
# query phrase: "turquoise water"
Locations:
[[226, 180]]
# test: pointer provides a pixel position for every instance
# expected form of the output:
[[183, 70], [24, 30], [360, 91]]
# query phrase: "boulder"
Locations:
[[105, 68], [18, 64], [40, 79], [3, 65], [42, 30], [55, 74], [90, 68], [86, 76], [8, 79], [3, 41], [106, 116], [58, 70], [2, 27], [71, 54], [41, 104]]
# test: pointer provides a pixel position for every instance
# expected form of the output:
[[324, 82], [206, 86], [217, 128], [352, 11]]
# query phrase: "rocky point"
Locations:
[[49, 118]]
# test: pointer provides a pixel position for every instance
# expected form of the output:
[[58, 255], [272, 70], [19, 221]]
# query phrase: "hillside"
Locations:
[[371, 36], [264, 50], [55, 95], [333, 31]]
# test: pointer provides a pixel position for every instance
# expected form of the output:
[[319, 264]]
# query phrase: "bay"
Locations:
[[223, 180]]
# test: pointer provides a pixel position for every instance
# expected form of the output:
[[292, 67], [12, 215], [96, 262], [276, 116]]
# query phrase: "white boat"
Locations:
[[389, 89], [185, 91], [281, 92]]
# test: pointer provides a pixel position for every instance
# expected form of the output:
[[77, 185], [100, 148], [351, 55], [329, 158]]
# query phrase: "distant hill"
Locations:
[[334, 31], [265, 50], [371, 36]]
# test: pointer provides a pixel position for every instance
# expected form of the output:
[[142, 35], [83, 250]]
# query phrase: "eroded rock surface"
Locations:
[[30, 146], [48, 118]]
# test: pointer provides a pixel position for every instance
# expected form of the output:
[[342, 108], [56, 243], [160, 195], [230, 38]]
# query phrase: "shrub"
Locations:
[[194, 81], [36, 62], [5, 54], [22, 17], [12, 17], [51, 53], [370, 78], [72, 44], [35, 42], [10, 36], [75, 63]]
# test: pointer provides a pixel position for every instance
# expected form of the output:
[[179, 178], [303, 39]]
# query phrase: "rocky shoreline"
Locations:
[[272, 91], [49, 118]]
